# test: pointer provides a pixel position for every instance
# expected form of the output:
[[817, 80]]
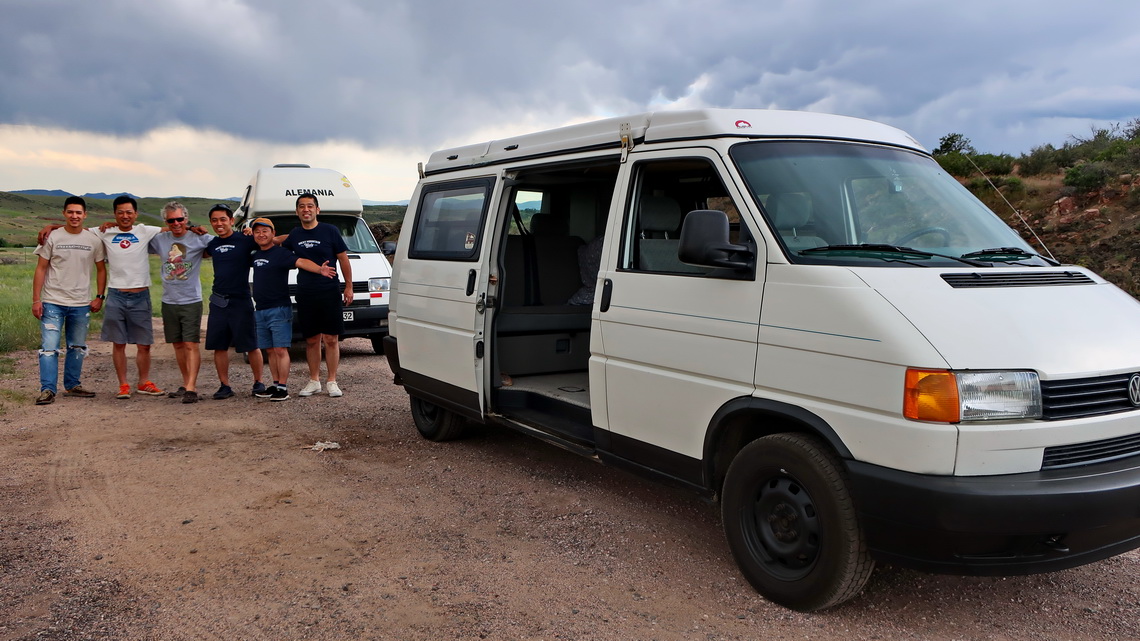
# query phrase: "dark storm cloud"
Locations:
[[405, 73]]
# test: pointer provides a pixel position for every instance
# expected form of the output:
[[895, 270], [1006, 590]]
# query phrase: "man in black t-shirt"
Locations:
[[319, 299], [230, 322], [274, 314]]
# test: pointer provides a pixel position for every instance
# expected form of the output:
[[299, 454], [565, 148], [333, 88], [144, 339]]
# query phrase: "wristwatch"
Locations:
[[100, 297]]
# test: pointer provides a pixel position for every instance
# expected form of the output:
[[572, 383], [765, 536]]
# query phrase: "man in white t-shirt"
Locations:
[[127, 316], [62, 302]]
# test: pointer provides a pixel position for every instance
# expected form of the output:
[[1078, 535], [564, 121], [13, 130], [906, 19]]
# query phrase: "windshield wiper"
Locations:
[[874, 248], [1011, 253]]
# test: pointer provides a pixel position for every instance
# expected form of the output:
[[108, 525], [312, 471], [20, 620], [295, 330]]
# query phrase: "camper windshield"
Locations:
[[858, 204], [352, 228]]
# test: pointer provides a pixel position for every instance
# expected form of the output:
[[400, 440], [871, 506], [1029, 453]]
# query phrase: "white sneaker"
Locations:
[[310, 388], [334, 389]]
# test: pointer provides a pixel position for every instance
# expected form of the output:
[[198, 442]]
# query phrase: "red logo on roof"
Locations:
[[743, 124]]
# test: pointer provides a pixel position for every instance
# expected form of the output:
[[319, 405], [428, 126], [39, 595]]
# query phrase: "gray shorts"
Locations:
[[182, 323], [126, 318]]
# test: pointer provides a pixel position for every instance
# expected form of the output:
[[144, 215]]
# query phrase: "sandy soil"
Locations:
[[149, 519]]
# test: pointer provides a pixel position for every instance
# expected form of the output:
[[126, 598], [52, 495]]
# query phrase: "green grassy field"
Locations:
[[22, 216], [19, 329]]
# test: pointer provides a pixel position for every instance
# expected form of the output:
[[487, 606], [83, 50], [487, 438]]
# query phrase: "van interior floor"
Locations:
[[572, 387], [558, 404]]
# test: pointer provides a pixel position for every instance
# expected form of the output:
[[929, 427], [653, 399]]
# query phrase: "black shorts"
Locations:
[[320, 313], [231, 326]]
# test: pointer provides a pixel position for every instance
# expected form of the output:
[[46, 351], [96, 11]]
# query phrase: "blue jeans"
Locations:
[[54, 318]]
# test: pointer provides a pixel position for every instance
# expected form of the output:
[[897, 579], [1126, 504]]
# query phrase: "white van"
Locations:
[[799, 314], [272, 193]]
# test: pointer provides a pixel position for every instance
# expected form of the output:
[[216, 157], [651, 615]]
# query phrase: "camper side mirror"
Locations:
[[388, 247], [704, 242]]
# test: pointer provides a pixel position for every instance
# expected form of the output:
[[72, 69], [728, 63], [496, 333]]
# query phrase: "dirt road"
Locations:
[[150, 519]]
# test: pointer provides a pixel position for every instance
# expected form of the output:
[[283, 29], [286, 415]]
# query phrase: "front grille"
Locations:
[[1095, 452], [1076, 398], [358, 286], [1016, 279]]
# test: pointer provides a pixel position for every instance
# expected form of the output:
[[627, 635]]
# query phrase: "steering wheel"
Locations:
[[918, 233]]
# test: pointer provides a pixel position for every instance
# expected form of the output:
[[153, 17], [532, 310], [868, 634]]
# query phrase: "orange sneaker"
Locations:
[[150, 389], [124, 391]]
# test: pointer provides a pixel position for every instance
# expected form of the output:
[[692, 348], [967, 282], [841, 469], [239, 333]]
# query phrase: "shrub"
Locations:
[[1088, 176], [1039, 160], [994, 165], [956, 164]]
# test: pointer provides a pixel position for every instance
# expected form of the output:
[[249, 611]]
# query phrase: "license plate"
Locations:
[[349, 315]]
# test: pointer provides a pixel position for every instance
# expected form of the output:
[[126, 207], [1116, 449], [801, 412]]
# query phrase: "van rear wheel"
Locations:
[[791, 523], [435, 423]]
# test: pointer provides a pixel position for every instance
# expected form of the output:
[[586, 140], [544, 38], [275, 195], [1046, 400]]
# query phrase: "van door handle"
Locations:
[[607, 291], [470, 282]]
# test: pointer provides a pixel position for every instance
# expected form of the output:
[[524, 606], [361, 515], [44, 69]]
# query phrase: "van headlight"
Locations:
[[952, 397], [378, 284]]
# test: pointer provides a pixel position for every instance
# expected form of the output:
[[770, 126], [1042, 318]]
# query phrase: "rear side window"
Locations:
[[449, 220]]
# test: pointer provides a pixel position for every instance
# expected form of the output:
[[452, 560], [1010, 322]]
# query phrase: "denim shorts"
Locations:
[[126, 318], [274, 327]]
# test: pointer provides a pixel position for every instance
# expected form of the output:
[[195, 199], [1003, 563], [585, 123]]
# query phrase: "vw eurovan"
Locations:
[[800, 315], [272, 193]]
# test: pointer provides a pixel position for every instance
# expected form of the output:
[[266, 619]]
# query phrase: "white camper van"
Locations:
[[272, 193], [798, 314]]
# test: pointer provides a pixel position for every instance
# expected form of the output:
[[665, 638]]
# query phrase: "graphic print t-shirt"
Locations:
[[271, 277], [232, 256], [127, 264], [320, 244], [71, 258], [181, 263]]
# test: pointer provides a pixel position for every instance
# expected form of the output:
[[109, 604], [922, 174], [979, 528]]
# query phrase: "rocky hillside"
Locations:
[[1099, 230]]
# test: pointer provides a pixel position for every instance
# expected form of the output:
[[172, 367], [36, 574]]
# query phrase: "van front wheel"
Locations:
[[435, 423], [791, 523]]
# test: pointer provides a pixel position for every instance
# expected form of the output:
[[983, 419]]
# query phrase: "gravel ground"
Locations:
[[149, 519]]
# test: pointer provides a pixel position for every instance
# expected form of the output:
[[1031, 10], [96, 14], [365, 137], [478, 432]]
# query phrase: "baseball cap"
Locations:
[[263, 221]]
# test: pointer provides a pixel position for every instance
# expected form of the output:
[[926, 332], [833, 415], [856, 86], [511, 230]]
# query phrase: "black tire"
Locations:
[[377, 343], [791, 523], [435, 423]]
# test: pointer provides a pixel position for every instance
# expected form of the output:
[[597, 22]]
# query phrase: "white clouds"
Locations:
[[180, 161]]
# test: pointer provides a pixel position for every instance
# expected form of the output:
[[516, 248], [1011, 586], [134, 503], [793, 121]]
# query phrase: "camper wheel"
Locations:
[[791, 523], [435, 423]]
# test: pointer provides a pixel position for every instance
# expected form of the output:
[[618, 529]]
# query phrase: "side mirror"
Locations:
[[388, 247], [704, 242]]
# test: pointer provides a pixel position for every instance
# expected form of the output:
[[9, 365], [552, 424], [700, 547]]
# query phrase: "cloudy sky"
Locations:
[[190, 97]]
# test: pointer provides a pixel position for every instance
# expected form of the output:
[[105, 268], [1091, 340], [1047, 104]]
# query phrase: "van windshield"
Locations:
[[352, 228], [860, 204]]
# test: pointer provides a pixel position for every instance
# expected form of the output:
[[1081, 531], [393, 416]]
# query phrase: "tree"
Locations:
[[954, 143]]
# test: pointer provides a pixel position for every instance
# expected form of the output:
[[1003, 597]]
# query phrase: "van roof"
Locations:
[[662, 126], [275, 190]]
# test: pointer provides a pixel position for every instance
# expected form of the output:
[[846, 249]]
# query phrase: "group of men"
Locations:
[[244, 318]]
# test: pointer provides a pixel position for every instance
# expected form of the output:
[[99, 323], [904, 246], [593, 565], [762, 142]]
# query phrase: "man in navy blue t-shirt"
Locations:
[[230, 322], [274, 314], [319, 299]]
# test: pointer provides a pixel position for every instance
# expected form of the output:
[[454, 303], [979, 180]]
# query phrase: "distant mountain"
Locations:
[[101, 196], [401, 203], [42, 192]]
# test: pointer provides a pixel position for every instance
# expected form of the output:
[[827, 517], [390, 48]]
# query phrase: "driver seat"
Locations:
[[791, 216]]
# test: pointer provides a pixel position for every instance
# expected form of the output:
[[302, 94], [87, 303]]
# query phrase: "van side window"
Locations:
[[664, 192], [450, 221]]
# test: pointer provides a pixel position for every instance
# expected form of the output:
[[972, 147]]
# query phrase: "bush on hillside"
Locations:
[[956, 164], [1088, 176], [1040, 160]]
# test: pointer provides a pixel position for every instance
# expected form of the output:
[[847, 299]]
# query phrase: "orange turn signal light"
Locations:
[[931, 395]]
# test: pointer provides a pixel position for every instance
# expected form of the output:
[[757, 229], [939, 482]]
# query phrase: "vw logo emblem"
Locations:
[[1134, 389]]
